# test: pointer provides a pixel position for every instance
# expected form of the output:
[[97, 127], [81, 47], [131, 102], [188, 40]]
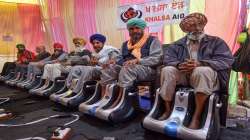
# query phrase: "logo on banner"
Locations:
[[155, 13], [130, 13]]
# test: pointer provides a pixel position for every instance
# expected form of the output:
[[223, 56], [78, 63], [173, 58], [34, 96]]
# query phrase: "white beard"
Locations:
[[197, 37], [79, 49]]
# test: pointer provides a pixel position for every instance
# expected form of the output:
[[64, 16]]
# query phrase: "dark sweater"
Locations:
[[79, 58], [42, 56]]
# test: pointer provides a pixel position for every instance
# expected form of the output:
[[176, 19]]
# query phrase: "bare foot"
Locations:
[[73, 84], [194, 124]]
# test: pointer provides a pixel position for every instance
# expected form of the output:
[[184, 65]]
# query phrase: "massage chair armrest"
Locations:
[[64, 75], [60, 79], [38, 76], [92, 82]]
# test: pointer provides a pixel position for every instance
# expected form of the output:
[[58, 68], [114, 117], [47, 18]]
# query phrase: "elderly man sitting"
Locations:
[[139, 57], [199, 60], [32, 68], [49, 74], [80, 56]]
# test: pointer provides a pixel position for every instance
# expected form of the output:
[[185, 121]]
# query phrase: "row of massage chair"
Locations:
[[89, 101]]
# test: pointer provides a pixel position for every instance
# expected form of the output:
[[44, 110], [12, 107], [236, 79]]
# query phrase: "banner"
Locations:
[[7, 38], [154, 13]]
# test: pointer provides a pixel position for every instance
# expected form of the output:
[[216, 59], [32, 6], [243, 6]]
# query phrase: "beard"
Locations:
[[195, 37], [20, 51], [57, 53], [135, 37], [78, 49]]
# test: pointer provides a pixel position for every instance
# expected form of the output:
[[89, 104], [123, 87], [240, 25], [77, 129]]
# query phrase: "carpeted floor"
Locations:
[[86, 128]]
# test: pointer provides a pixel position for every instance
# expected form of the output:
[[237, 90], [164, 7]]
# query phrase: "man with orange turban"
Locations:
[[199, 60], [81, 55]]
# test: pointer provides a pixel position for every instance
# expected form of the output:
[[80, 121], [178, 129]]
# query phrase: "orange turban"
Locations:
[[194, 22]]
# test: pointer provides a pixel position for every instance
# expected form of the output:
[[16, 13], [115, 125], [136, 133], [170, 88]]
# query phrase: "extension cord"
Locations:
[[61, 134], [109, 138], [5, 116]]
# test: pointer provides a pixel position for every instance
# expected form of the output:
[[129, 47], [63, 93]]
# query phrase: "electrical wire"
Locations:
[[33, 138], [43, 119], [76, 119], [5, 100]]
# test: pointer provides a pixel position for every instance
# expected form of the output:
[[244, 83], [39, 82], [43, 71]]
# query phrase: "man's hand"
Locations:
[[188, 66], [40, 64], [55, 61], [110, 62], [26, 61], [93, 61], [131, 62], [67, 63]]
